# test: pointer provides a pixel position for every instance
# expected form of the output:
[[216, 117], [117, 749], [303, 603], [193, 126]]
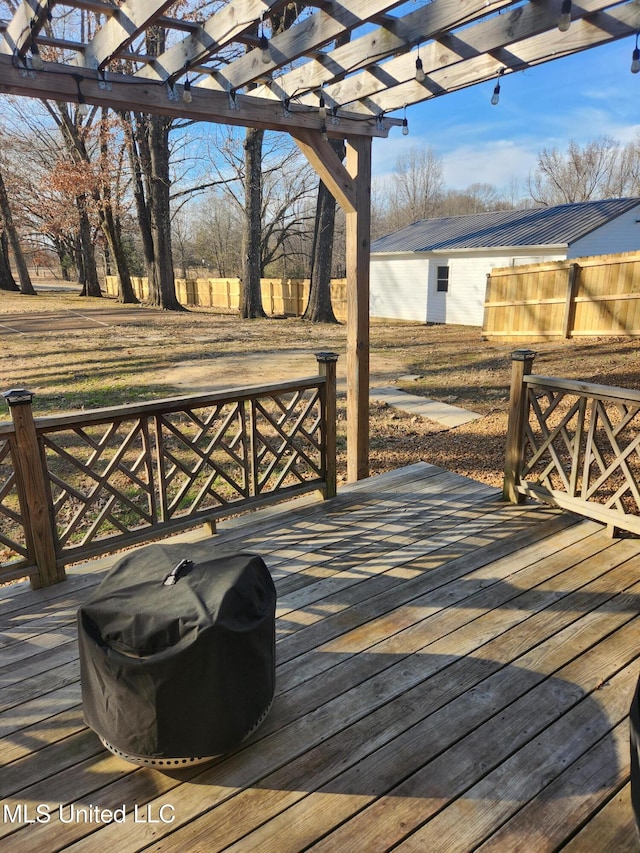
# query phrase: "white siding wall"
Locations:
[[620, 235], [399, 287], [468, 282]]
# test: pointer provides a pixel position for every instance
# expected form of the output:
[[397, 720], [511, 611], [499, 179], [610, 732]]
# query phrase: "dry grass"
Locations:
[[142, 358]]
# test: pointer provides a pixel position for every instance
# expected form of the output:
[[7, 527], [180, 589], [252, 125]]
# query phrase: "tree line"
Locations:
[[150, 195]]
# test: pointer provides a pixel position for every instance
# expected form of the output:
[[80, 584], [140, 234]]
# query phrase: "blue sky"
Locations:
[[579, 97]]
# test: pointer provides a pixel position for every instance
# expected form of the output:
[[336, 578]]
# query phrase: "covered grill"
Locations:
[[177, 653]]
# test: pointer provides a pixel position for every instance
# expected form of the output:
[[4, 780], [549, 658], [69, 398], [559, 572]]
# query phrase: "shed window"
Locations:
[[442, 280]]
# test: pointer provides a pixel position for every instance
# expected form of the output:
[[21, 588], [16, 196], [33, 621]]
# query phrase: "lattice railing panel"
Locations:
[[287, 435], [611, 472], [101, 480], [203, 458], [13, 545], [553, 435], [582, 449]]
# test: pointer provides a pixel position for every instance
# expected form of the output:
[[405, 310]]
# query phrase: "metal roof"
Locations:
[[545, 226]]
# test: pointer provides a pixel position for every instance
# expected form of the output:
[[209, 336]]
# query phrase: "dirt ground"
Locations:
[[90, 353]]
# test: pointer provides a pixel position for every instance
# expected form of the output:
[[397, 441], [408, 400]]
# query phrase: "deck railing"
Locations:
[[78, 485], [574, 444]]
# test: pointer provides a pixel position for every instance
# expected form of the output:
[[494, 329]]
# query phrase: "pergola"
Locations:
[[340, 70]]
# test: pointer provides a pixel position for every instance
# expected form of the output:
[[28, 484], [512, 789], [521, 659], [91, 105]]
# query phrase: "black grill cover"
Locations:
[[185, 670], [634, 730]]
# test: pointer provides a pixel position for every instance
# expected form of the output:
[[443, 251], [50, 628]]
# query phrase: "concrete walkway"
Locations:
[[442, 413]]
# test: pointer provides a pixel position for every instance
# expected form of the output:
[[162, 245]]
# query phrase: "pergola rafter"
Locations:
[[360, 57]]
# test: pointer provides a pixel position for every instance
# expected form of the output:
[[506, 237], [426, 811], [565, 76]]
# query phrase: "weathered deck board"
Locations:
[[453, 674]]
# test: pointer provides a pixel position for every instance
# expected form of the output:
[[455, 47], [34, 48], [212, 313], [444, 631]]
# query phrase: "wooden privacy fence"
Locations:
[[279, 296], [562, 299], [78, 485], [574, 444]]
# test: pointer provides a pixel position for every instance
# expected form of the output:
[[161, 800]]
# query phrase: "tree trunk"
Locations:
[[139, 158], [26, 286], [90, 284], [7, 281], [165, 295], [319, 308], [251, 293], [111, 226]]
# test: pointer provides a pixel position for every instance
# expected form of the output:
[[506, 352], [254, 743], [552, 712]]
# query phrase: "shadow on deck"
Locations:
[[453, 674]]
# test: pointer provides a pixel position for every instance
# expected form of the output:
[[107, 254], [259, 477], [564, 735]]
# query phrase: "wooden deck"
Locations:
[[454, 674]]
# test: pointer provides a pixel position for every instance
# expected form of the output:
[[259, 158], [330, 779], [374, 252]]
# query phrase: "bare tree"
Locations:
[[417, 185], [11, 233], [595, 170], [319, 308]]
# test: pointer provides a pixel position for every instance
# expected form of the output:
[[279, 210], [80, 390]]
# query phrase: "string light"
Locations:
[[495, 98], [405, 123], [36, 60], [420, 75], [187, 96], [635, 58], [564, 21], [322, 111], [83, 108], [263, 43]]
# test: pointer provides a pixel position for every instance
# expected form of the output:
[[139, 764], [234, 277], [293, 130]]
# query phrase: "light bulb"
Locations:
[[635, 61], [322, 111], [420, 75], [36, 60], [496, 95], [564, 21], [187, 97], [83, 109], [405, 127], [264, 47]]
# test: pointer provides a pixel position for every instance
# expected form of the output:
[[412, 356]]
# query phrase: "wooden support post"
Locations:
[[521, 364], [570, 304], [327, 367], [37, 511], [358, 242]]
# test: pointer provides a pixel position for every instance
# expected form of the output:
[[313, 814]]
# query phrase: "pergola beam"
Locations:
[[23, 27], [68, 83], [368, 50], [307, 35], [328, 167], [221, 29], [596, 29]]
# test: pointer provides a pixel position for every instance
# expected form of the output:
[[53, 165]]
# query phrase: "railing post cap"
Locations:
[[15, 396], [323, 357], [523, 354]]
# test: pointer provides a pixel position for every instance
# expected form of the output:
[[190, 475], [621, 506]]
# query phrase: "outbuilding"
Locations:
[[435, 270]]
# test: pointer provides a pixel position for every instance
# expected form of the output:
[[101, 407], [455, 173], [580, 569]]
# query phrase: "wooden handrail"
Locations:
[[90, 482], [576, 445]]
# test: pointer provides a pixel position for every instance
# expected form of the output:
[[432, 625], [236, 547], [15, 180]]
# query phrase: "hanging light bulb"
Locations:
[[405, 123], [564, 21], [635, 58], [187, 95], [420, 75], [36, 60], [82, 109], [322, 111], [495, 98]]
